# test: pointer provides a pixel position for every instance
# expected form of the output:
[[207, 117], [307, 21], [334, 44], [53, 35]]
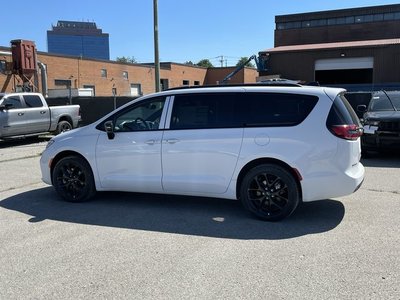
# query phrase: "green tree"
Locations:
[[189, 62], [205, 63], [242, 60], [126, 59]]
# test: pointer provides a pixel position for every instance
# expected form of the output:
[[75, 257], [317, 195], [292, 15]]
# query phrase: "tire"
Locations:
[[269, 192], [73, 179], [63, 126]]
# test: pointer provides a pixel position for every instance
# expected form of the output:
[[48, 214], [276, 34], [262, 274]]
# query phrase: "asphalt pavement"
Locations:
[[143, 246]]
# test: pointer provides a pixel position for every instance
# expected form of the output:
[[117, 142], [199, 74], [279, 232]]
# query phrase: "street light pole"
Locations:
[[156, 54]]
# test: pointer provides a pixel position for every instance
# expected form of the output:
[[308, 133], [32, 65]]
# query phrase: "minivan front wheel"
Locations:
[[73, 179], [269, 192]]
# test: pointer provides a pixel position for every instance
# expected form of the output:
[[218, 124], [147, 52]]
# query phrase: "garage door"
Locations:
[[352, 70]]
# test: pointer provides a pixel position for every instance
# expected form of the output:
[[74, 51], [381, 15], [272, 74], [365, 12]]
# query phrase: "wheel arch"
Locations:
[[267, 160], [64, 154], [65, 118]]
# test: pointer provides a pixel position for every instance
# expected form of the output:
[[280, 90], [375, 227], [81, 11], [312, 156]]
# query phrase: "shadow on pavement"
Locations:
[[24, 141], [176, 214], [382, 160]]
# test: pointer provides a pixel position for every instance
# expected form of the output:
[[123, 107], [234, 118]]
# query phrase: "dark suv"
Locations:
[[381, 122]]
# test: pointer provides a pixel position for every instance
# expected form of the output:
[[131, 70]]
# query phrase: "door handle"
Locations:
[[43, 112], [150, 142], [20, 114], [172, 141]]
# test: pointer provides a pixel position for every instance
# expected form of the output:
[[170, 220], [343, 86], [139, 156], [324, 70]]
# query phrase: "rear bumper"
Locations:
[[333, 184]]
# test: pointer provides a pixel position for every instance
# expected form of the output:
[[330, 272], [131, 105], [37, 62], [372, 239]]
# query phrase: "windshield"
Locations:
[[395, 98], [380, 102]]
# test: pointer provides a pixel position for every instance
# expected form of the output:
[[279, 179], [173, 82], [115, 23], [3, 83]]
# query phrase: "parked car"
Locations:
[[27, 114], [271, 147], [381, 122]]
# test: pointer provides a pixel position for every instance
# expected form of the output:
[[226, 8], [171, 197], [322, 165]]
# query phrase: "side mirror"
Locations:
[[362, 108], [6, 106], [109, 127]]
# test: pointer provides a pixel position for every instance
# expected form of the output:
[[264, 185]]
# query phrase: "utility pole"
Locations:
[[156, 54], [222, 61]]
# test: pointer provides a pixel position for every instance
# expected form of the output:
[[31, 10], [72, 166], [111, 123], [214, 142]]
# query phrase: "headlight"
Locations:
[[51, 142], [371, 123]]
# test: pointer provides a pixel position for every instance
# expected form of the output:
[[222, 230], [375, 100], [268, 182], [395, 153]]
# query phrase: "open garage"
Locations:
[[355, 70]]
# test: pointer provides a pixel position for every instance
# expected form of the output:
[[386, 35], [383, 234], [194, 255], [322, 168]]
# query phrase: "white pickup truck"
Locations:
[[27, 114]]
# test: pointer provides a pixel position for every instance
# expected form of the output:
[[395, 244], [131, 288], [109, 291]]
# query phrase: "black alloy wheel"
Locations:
[[269, 192], [73, 179]]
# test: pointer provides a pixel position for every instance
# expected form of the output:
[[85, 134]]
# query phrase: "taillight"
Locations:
[[347, 132]]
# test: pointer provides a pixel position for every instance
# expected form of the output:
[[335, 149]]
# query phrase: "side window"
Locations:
[[275, 109], [197, 111], [33, 101], [142, 116], [14, 101]]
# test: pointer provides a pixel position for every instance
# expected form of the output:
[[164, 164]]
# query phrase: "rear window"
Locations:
[[33, 101], [275, 109], [342, 113]]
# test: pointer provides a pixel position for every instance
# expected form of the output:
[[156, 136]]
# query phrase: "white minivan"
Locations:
[[270, 146]]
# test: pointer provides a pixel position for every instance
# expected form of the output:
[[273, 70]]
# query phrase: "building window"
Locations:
[[125, 74], [64, 82], [103, 73], [185, 82], [196, 82], [164, 84], [136, 89], [92, 87], [378, 17], [3, 66], [339, 21], [349, 20]]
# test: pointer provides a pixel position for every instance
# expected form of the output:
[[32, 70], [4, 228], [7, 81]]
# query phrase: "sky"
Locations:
[[188, 30]]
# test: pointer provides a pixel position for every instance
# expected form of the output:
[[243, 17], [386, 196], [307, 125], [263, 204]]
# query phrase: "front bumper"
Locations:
[[381, 140], [386, 136]]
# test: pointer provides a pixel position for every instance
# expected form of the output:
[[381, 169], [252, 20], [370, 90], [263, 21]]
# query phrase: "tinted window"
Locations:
[[14, 101], [141, 116], [275, 109], [197, 111], [33, 101], [342, 113]]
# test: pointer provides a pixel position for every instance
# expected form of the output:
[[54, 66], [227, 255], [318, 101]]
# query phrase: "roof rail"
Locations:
[[276, 83]]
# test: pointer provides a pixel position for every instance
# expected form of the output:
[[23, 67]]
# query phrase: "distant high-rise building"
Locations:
[[78, 39]]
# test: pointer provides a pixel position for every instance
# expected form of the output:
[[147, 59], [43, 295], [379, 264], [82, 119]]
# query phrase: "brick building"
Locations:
[[104, 77], [356, 48]]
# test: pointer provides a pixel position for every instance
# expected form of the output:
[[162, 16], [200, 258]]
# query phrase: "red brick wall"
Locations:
[[88, 72]]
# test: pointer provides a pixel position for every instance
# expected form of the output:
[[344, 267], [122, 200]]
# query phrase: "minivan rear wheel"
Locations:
[[269, 192]]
